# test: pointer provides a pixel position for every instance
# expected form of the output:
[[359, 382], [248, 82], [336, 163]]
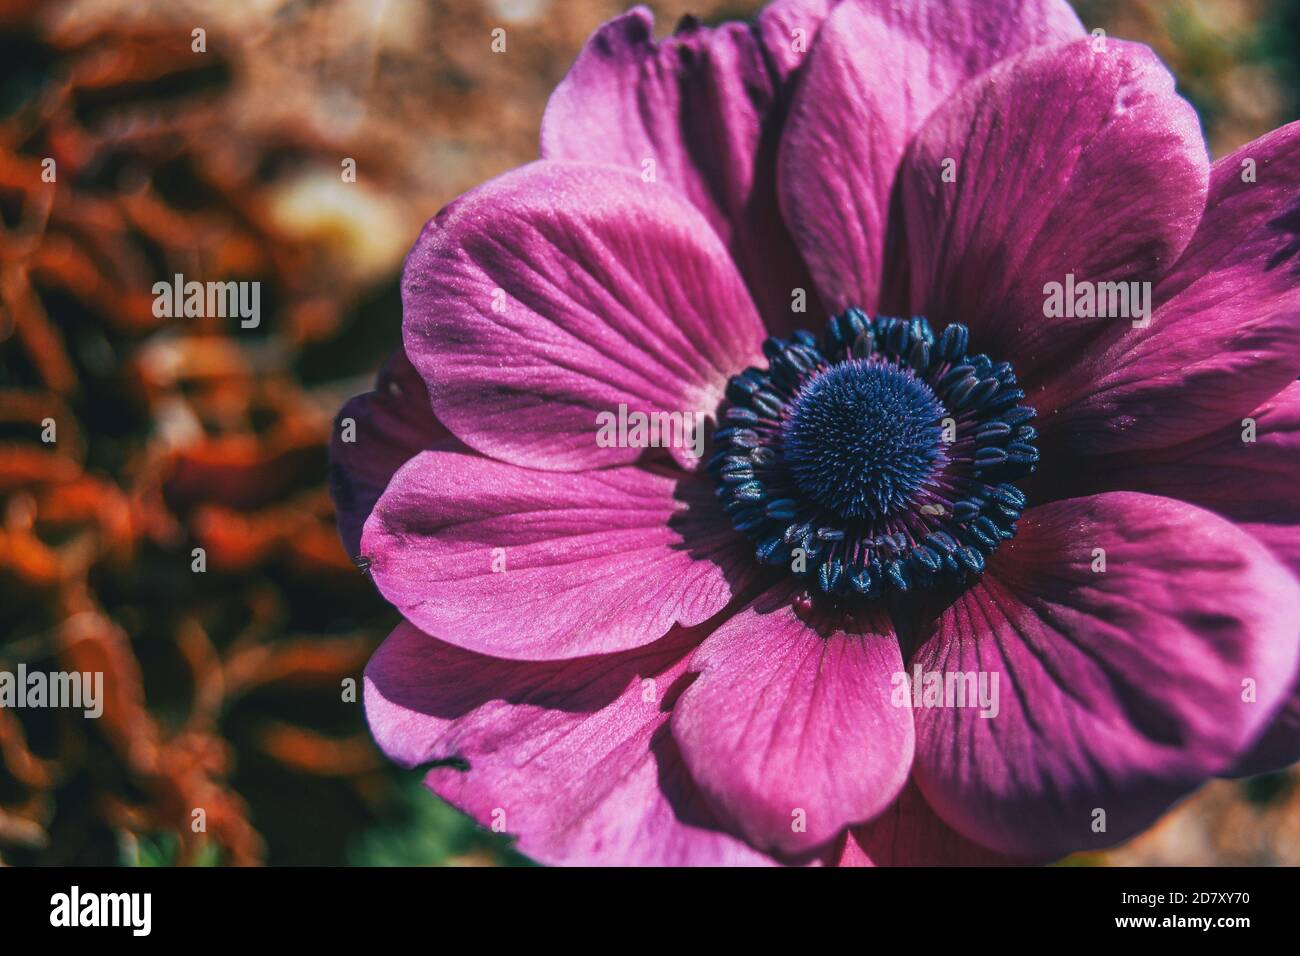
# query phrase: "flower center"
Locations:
[[863, 438], [879, 458]]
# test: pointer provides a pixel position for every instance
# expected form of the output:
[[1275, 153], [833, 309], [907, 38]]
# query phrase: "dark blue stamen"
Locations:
[[863, 437], [879, 458]]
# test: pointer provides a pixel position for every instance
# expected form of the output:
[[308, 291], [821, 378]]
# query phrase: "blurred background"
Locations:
[[224, 689]]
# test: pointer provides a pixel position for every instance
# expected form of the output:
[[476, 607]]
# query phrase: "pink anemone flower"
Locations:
[[992, 554]]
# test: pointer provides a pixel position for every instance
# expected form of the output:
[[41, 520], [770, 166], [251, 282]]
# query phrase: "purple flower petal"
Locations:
[[1070, 161], [875, 72], [909, 833], [558, 292], [790, 732], [389, 426], [788, 28], [705, 109], [1225, 335], [1119, 690], [535, 565], [1252, 482], [1279, 746], [574, 758]]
